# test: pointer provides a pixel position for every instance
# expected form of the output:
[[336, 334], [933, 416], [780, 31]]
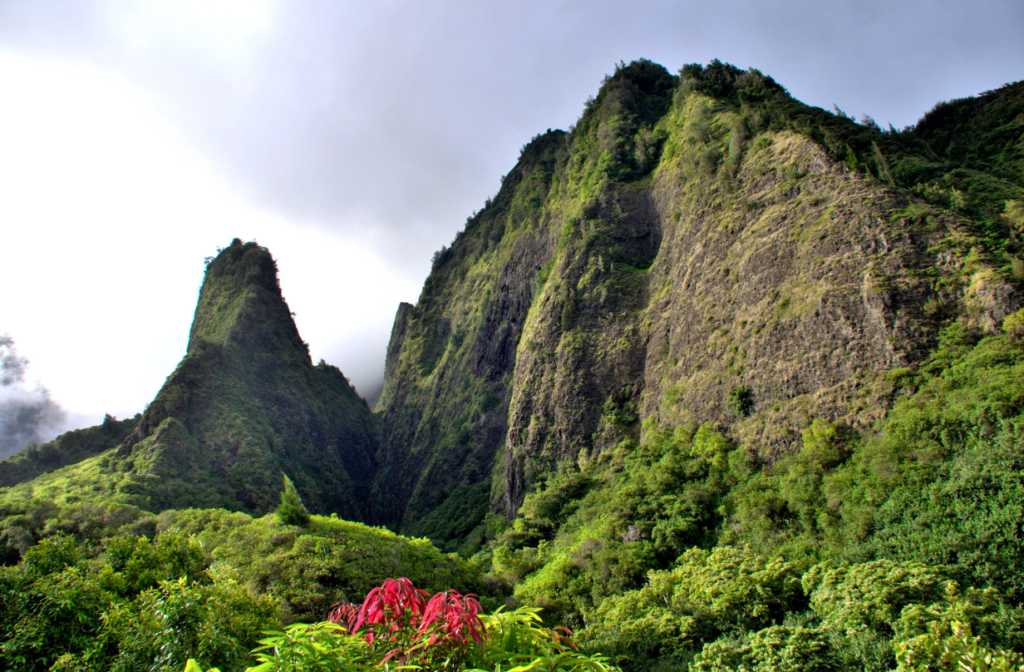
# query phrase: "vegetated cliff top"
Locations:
[[982, 133]]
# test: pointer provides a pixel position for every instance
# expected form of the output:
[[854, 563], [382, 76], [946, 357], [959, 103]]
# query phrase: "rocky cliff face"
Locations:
[[698, 249], [246, 404], [452, 356]]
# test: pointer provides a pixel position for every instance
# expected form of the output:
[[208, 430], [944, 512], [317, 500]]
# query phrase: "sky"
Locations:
[[352, 140]]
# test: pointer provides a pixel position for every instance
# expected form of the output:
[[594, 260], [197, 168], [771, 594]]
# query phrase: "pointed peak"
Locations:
[[240, 302], [243, 264]]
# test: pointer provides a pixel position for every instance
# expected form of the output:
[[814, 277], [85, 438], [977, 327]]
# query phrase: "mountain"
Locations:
[[717, 374], [244, 406], [717, 379], [251, 403], [700, 248]]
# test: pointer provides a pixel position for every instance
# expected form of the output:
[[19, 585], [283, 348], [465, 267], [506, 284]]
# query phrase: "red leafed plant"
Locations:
[[453, 618], [344, 614], [396, 605], [397, 615]]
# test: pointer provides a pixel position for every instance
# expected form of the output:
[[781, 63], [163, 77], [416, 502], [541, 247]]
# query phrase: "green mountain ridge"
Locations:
[[698, 248], [718, 379], [69, 448]]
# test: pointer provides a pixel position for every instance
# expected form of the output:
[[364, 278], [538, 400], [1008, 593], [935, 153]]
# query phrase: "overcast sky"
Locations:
[[353, 140]]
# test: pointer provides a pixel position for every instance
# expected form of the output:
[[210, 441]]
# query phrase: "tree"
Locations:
[[292, 511]]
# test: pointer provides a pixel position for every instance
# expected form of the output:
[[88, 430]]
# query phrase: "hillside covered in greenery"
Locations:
[[192, 583], [244, 406], [716, 381]]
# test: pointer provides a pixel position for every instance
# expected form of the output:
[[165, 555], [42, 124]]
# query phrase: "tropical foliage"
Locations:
[[398, 627], [203, 584], [148, 603], [685, 547]]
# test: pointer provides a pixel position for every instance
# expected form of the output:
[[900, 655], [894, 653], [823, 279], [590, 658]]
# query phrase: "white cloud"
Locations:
[[222, 31], [107, 214]]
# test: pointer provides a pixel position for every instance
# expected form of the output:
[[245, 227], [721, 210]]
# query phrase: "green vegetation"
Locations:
[[146, 603], [963, 157], [396, 625], [729, 607], [740, 400], [291, 510], [308, 569], [201, 584], [718, 380], [688, 547]]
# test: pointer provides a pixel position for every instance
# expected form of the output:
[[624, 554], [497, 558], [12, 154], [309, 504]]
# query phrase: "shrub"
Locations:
[[143, 604], [769, 650], [707, 594], [216, 623], [740, 400], [957, 651]]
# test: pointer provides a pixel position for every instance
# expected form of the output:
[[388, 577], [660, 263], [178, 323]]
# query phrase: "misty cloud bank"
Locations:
[[27, 413]]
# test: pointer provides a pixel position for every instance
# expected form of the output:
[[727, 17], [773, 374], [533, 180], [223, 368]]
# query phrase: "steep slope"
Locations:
[[245, 405], [451, 359], [701, 248]]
